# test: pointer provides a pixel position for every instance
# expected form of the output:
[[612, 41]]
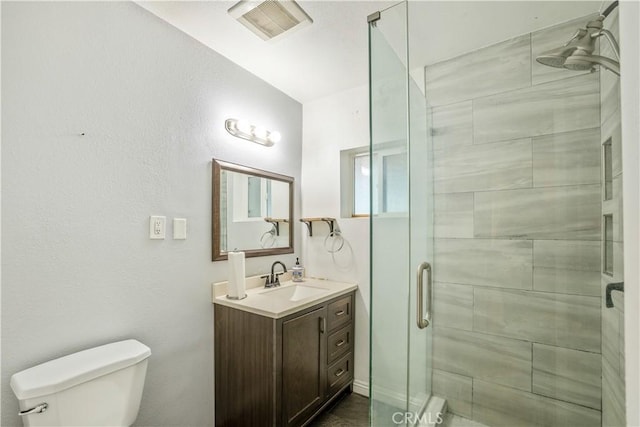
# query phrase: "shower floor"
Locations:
[[352, 410], [451, 420]]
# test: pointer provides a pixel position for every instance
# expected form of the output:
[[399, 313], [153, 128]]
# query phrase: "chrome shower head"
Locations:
[[578, 64], [556, 57], [577, 53], [581, 61]]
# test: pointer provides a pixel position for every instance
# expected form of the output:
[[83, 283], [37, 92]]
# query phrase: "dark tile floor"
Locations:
[[350, 410]]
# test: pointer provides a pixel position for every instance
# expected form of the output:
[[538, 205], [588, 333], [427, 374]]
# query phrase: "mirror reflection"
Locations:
[[252, 211]]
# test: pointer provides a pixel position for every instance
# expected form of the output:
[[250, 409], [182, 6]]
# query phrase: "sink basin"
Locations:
[[294, 293]]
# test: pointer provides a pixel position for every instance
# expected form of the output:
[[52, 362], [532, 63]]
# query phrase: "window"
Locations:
[[394, 183], [361, 193], [252, 197], [389, 195], [254, 189]]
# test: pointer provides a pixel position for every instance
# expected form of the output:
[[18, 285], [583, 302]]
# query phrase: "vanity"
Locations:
[[282, 354]]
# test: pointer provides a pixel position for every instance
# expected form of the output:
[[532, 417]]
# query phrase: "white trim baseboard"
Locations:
[[361, 387]]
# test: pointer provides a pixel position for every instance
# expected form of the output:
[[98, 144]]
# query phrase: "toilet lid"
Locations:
[[67, 371]]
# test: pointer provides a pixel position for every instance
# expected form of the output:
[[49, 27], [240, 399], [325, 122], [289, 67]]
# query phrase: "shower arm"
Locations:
[[612, 40], [608, 63]]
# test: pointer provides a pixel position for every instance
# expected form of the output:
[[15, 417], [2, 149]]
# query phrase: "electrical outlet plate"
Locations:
[[179, 228], [157, 227]]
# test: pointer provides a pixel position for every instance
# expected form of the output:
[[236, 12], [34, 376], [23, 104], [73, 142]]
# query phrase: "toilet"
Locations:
[[101, 386]]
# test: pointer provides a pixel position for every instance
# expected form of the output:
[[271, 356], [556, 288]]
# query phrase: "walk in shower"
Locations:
[[496, 229]]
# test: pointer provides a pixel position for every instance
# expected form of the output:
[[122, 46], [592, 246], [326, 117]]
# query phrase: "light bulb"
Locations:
[[243, 126], [274, 136], [260, 132]]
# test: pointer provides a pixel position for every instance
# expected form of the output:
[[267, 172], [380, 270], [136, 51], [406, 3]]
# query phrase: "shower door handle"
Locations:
[[423, 319]]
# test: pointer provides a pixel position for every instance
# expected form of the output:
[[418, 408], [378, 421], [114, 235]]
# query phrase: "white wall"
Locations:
[[331, 124], [78, 269]]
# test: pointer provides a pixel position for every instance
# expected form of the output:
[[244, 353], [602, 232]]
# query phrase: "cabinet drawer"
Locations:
[[339, 313], [339, 343], [340, 373]]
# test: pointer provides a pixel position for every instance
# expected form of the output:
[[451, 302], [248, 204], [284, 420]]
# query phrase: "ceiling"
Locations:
[[331, 55]]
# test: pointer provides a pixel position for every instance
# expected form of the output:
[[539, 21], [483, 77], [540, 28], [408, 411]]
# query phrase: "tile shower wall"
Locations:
[[613, 369], [517, 308]]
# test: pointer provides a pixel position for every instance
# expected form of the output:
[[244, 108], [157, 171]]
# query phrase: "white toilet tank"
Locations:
[[101, 386]]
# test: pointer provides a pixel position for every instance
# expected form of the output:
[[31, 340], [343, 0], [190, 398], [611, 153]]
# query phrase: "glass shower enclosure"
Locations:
[[496, 202], [402, 223]]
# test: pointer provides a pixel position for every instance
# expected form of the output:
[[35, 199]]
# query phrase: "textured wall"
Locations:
[[78, 269], [613, 356], [517, 254]]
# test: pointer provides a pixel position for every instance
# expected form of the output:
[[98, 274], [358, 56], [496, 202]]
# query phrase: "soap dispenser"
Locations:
[[297, 272]]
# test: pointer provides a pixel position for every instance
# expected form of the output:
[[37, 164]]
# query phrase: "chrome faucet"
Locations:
[[274, 279]]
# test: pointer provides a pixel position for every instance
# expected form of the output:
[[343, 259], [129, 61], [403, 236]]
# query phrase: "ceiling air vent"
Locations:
[[269, 19]]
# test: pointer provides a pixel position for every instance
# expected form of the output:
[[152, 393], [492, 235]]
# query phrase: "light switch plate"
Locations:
[[179, 228], [157, 227]]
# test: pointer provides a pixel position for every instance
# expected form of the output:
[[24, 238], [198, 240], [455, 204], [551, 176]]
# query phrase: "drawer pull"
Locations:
[[339, 372], [340, 343], [339, 313]]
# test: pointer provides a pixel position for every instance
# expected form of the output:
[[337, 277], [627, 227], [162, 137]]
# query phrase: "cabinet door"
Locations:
[[303, 370]]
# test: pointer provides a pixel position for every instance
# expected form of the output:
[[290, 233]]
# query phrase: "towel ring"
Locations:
[[270, 239], [334, 234]]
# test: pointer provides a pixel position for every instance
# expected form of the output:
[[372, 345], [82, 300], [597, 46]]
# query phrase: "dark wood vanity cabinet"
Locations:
[[281, 372], [303, 386]]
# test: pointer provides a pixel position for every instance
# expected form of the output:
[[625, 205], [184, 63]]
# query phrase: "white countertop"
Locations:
[[259, 302]]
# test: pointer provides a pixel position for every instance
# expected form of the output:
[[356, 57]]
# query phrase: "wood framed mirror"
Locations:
[[252, 211]]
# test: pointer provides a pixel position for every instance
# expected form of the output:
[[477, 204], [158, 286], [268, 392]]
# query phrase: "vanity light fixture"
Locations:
[[257, 134]]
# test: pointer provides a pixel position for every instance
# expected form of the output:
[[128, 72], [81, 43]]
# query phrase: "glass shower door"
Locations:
[[421, 240], [401, 228]]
